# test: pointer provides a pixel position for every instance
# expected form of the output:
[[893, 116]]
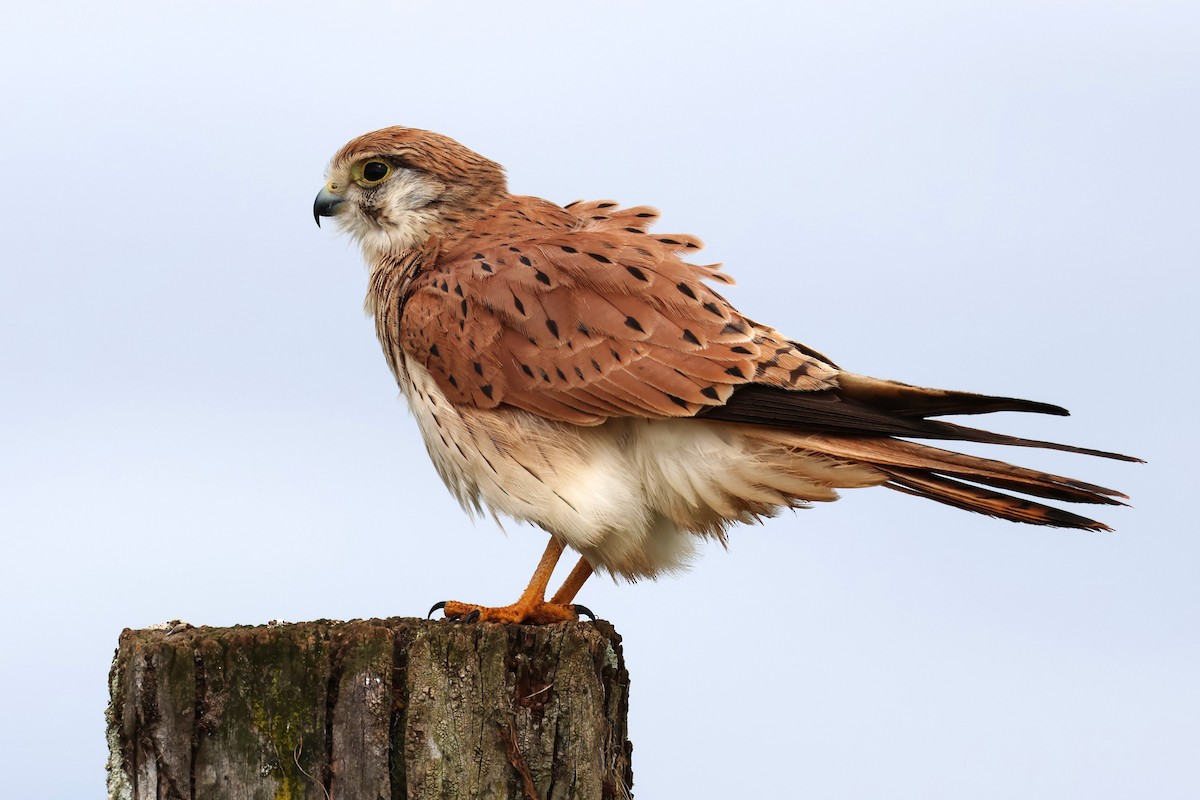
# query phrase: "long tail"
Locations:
[[858, 422], [961, 480]]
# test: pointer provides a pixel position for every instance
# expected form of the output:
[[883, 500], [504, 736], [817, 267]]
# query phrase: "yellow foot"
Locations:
[[538, 613]]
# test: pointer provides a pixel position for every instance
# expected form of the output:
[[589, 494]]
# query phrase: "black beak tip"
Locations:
[[326, 205]]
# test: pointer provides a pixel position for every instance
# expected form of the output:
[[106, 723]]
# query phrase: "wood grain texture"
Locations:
[[396, 708]]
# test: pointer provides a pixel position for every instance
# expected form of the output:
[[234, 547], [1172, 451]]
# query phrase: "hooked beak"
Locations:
[[326, 204]]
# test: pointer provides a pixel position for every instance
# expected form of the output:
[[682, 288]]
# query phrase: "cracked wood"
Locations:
[[397, 708]]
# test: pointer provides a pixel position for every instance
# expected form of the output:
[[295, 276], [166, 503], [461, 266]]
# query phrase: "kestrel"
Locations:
[[569, 368]]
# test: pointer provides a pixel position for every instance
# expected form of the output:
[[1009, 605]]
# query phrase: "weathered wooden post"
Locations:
[[375, 709]]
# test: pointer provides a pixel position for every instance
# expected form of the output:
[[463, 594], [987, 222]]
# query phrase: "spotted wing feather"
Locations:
[[588, 317]]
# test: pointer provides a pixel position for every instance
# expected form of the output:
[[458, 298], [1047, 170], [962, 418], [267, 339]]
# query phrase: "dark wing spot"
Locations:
[[584, 329], [519, 305], [634, 230], [646, 214], [569, 249], [633, 323], [690, 337], [552, 326], [637, 273], [453, 381], [735, 372], [464, 307], [525, 260], [734, 327], [605, 205], [525, 368], [478, 256], [433, 351], [478, 367], [687, 290], [596, 365], [541, 276], [665, 240], [458, 289], [602, 259], [486, 267], [710, 393], [679, 401], [714, 308], [579, 372], [487, 390], [615, 354], [739, 349], [561, 376]]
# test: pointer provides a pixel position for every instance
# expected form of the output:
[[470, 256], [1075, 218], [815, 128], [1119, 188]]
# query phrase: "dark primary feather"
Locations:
[[834, 411], [918, 401]]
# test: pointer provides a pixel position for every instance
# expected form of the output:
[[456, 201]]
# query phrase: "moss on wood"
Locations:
[[396, 708]]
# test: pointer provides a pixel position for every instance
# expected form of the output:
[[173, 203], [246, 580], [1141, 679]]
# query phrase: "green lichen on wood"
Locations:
[[395, 708], [262, 703]]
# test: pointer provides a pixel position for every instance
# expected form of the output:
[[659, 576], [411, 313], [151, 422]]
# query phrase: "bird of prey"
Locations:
[[569, 368]]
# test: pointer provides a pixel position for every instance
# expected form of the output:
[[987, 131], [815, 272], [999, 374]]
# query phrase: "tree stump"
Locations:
[[376, 709]]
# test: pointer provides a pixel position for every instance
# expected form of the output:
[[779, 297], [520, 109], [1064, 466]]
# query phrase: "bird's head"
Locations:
[[395, 188]]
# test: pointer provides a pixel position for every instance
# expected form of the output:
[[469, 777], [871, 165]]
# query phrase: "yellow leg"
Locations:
[[532, 606], [574, 582]]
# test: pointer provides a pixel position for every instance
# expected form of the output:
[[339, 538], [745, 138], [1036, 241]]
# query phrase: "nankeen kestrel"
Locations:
[[569, 368]]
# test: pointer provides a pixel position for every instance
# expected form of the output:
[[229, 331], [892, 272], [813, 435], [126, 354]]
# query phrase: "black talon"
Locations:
[[472, 616], [438, 605], [578, 609]]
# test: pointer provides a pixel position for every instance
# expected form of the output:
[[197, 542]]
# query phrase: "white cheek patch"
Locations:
[[409, 190], [398, 215]]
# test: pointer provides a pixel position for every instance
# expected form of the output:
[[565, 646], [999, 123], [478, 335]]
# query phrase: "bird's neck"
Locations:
[[391, 276]]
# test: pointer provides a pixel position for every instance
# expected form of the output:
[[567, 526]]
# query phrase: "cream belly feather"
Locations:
[[630, 495]]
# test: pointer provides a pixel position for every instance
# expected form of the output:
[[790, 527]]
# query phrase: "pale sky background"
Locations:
[[196, 420]]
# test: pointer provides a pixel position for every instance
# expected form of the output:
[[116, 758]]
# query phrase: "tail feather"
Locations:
[[927, 458], [870, 422], [985, 501], [956, 479], [948, 430]]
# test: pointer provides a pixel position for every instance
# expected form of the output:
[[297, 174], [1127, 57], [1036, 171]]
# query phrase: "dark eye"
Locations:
[[375, 171]]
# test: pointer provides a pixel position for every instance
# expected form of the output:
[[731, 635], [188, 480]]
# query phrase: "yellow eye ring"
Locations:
[[372, 172]]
